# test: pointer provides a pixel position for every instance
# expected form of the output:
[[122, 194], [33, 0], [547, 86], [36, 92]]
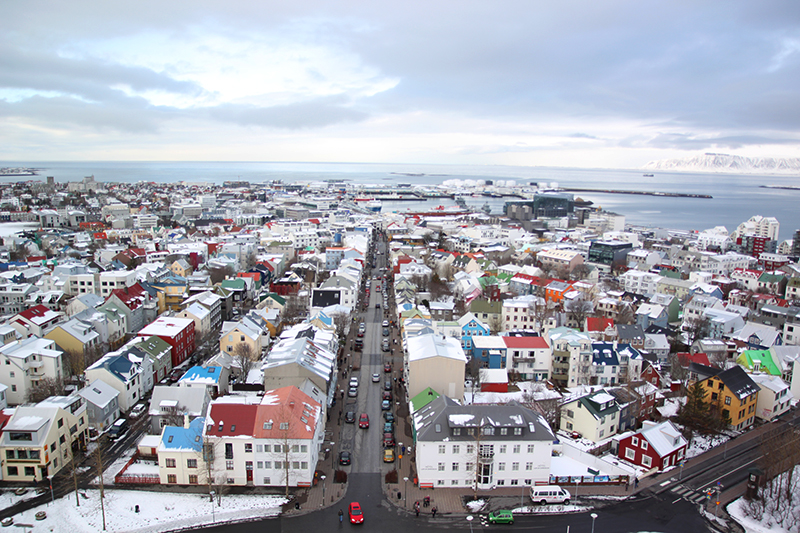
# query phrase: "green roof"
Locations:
[[749, 358], [237, 283], [485, 306], [422, 399]]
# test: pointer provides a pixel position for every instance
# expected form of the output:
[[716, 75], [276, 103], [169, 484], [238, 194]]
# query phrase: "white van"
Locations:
[[545, 494]]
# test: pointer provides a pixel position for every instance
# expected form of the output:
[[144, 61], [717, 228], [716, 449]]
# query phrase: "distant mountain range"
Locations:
[[728, 163]]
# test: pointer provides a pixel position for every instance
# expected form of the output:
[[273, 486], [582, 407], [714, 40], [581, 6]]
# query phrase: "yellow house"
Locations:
[[235, 333], [734, 394], [172, 292], [75, 336], [181, 268]]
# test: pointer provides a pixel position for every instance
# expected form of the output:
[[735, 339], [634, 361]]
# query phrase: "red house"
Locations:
[[494, 380], [651, 374], [656, 445], [177, 332]]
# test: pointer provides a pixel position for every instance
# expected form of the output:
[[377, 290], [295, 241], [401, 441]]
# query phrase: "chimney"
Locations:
[[185, 421]]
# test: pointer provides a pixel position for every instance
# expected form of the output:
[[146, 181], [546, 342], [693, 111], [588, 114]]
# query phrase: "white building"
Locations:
[[492, 446], [774, 396], [25, 363]]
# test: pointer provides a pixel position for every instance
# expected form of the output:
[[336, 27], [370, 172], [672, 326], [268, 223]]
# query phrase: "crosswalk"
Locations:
[[688, 494]]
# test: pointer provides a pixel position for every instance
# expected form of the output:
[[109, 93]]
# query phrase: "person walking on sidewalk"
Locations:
[[433, 511], [341, 516]]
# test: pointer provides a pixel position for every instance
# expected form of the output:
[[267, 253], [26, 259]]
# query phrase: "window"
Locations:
[[455, 467], [514, 467], [602, 432], [647, 461], [501, 467], [517, 431], [470, 448], [267, 464], [644, 444], [570, 413], [266, 481], [502, 448], [440, 482], [172, 478], [727, 400], [516, 448], [501, 482], [12, 471], [248, 448], [454, 482], [303, 448], [277, 448], [456, 448], [284, 425], [191, 463], [530, 448], [504, 431], [193, 479], [456, 431], [630, 454], [442, 448], [259, 464], [267, 448], [635, 441], [528, 466], [441, 467], [170, 463], [228, 465]]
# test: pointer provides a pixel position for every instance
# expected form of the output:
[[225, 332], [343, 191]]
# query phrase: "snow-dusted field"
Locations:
[[8, 229], [158, 511]]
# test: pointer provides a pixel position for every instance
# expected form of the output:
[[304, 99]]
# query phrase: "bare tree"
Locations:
[[625, 315], [45, 388], [579, 309], [696, 328], [245, 359], [495, 323], [780, 454], [438, 288], [97, 458], [342, 323], [293, 310]]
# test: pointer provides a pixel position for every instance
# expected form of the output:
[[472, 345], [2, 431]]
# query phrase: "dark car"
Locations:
[[387, 385], [350, 417], [344, 458], [388, 416], [388, 427], [175, 375], [385, 330], [388, 440]]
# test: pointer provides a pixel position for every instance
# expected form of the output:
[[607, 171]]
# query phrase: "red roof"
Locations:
[[596, 323], [700, 358], [525, 342], [37, 311], [231, 419], [132, 296]]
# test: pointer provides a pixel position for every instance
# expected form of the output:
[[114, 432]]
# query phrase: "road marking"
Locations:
[[676, 501], [680, 489], [713, 483], [664, 484]]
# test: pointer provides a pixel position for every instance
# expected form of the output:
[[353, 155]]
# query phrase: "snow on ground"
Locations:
[[7, 229], [476, 505], [702, 443], [776, 518], [112, 470], [532, 389], [566, 466], [158, 511], [670, 407]]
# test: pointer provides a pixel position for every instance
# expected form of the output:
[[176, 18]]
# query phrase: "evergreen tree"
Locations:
[[695, 412]]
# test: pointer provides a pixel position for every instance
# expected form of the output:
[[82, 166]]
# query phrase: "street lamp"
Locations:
[[52, 496], [405, 503], [333, 457], [469, 519], [400, 456], [322, 477], [213, 513], [593, 515]]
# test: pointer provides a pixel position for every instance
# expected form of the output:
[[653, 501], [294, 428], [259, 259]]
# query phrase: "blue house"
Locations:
[[489, 351], [213, 378], [471, 326]]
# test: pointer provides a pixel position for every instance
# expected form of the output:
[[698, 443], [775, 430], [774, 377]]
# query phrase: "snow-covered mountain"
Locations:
[[728, 163]]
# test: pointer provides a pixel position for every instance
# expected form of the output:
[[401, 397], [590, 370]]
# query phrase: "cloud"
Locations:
[[312, 114]]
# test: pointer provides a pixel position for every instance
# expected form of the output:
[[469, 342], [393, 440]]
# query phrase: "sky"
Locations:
[[574, 83]]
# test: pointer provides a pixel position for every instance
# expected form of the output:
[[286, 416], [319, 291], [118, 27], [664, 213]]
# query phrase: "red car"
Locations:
[[356, 516], [387, 367], [363, 421], [388, 440]]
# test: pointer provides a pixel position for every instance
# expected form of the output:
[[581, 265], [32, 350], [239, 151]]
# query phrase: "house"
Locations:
[[77, 336], [234, 334], [605, 364], [177, 332], [136, 303], [493, 380], [181, 268], [202, 319], [213, 378], [471, 326], [633, 335], [35, 321], [181, 460], [169, 405], [572, 356], [489, 352], [594, 416], [774, 396], [118, 370], [269, 441], [529, 356], [27, 362], [733, 394], [294, 360], [656, 445], [649, 314], [481, 446], [39, 440], [102, 404], [434, 361]]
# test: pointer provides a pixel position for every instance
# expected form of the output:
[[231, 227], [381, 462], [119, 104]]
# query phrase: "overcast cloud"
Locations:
[[571, 83]]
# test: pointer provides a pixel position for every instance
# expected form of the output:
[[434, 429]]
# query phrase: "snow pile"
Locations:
[[702, 443], [476, 505], [157, 511]]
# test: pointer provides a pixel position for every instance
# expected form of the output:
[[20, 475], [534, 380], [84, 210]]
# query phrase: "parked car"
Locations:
[[386, 405], [387, 385], [387, 367], [388, 416], [363, 421], [344, 458], [350, 417], [388, 440], [137, 410], [352, 392], [175, 375], [388, 455], [377, 305], [387, 395], [501, 517], [356, 516], [118, 429], [385, 331], [354, 381], [385, 323], [545, 494], [388, 427]]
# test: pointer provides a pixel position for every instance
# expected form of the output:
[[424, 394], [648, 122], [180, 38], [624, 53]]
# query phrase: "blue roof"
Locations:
[[201, 374], [179, 438], [603, 353]]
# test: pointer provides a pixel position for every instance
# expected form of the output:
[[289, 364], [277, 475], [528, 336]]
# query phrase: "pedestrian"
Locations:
[[416, 510], [433, 511], [636, 482]]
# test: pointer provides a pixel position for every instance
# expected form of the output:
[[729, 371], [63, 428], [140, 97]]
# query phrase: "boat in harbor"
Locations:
[[374, 206]]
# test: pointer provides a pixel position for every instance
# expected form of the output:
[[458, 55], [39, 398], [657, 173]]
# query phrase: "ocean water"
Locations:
[[735, 197]]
